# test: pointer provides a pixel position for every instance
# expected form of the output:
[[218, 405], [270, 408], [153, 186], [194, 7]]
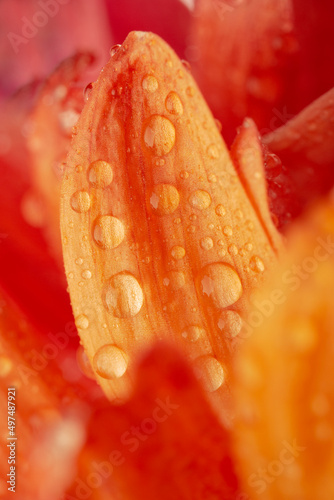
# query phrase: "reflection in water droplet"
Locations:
[[150, 83], [108, 232], [173, 104], [256, 264], [159, 135], [210, 372], [177, 252], [82, 322], [230, 323], [123, 296], [200, 199], [221, 284], [110, 362], [80, 201], [164, 199], [100, 174], [193, 333]]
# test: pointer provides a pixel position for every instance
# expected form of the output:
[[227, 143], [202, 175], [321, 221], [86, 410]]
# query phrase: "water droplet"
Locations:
[[173, 104], [79, 261], [123, 295], [160, 162], [200, 199], [80, 201], [233, 250], [193, 217], [218, 125], [220, 210], [206, 243], [110, 362], [213, 151], [230, 323], [190, 91], [184, 174], [159, 135], [87, 91], [108, 232], [210, 372], [70, 276], [100, 174], [186, 64], [6, 366], [239, 214], [84, 363], [86, 274], [256, 264], [221, 284], [177, 221], [165, 199], [227, 230], [212, 178], [176, 280], [114, 50], [177, 252], [78, 169], [273, 165], [249, 247], [193, 333], [191, 229], [150, 83], [82, 322]]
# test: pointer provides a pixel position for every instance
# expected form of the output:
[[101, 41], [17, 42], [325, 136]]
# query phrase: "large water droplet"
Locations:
[[165, 199], [159, 135], [221, 284], [100, 174], [256, 264], [193, 333], [80, 201], [110, 362], [210, 372], [82, 322], [108, 232], [173, 104], [200, 199], [123, 296], [230, 323], [150, 83]]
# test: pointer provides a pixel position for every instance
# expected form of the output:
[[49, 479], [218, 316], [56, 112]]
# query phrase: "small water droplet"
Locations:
[[80, 201], [184, 174], [114, 49], [178, 252], [213, 151], [220, 210], [233, 250], [150, 83], [164, 199], [193, 217], [191, 229], [190, 91], [221, 284], [173, 104], [210, 372], [79, 261], [123, 295], [87, 91], [218, 125], [100, 174], [70, 275], [256, 264], [82, 322], [200, 199], [86, 274], [186, 64], [193, 333], [159, 135], [227, 230], [84, 363], [206, 243], [108, 232], [177, 221], [230, 323], [212, 178], [160, 162], [110, 362]]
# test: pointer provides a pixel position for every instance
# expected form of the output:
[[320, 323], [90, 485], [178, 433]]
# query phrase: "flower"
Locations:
[[190, 286]]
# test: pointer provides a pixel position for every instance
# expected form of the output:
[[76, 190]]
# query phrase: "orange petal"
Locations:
[[283, 385], [164, 443], [159, 236]]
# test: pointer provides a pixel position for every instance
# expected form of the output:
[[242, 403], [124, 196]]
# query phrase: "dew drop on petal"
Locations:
[[173, 104], [178, 252], [230, 323], [256, 264], [227, 230], [200, 199], [233, 249], [164, 199], [206, 243], [213, 151], [110, 362], [87, 91], [150, 83], [221, 284], [108, 232], [123, 295], [82, 322], [159, 135], [80, 201], [193, 333], [210, 372], [84, 363], [220, 210], [100, 174], [86, 274], [114, 49]]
